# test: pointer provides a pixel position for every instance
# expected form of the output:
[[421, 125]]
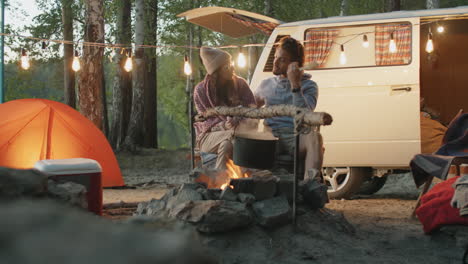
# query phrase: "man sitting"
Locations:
[[292, 86]]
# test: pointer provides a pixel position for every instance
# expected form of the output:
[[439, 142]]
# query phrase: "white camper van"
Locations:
[[373, 71]]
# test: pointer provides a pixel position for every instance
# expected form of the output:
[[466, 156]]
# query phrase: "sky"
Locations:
[[21, 12]]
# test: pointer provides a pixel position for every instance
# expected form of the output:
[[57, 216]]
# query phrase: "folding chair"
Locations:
[[425, 167]]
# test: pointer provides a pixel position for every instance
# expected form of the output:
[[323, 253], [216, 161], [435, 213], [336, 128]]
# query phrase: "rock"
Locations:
[[285, 187], [192, 211], [314, 193], [242, 185], [228, 195], [46, 232], [225, 216], [155, 207], [141, 208], [213, 216], [169, 194], [192, 186], [246, 198], [69, 192], [210, 194], [16, 183], [264, 187], [272, 212], [183, 196]]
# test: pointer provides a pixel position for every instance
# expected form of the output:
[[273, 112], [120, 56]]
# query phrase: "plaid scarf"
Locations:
[[205, 98]]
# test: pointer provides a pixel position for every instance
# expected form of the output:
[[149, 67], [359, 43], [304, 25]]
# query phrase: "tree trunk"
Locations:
[[135, 128], [343, 7], [269, 11], [151, 103], [91, 75], [122, 88], [431, 4], [393, 5], [105, 118], [69, 74]]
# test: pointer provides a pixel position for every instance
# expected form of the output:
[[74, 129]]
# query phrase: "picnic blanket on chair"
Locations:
[[436, 210], [438, 164]]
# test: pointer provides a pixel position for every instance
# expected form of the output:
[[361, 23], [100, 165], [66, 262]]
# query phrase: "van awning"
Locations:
[[235, 23]]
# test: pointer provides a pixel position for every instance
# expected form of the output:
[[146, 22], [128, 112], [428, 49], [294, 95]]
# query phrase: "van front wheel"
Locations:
[[343, 182]]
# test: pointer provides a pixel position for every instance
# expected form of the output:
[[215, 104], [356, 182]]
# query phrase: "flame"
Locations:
[[222, 179], [233, 172], [224, 186]]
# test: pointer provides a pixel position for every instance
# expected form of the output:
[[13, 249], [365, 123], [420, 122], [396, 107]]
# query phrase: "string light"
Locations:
[[392, 47], [440, 29], [429, 44], [365, 41], [241, 61], [187, 67], [128, 67], [76, 62], [342, 56], [24, 60]]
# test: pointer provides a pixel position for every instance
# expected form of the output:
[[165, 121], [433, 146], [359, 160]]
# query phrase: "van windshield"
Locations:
[[359, 46]]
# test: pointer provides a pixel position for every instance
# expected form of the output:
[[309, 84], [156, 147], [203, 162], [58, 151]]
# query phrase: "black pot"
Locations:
[[254, 153]]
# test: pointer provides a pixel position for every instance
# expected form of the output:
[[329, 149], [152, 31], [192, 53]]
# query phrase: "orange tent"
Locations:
[[37, 129]]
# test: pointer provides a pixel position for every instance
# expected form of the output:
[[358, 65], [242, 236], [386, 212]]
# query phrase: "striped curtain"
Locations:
[[402, 37], [317, 45]]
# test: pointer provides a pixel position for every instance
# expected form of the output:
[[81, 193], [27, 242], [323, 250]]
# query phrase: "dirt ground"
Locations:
[[385, 232]]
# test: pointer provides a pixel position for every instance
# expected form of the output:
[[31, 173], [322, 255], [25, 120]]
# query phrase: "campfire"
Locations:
[[220, 201], [222, 179]]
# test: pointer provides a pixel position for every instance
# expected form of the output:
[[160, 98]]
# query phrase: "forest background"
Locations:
[[147, 107]]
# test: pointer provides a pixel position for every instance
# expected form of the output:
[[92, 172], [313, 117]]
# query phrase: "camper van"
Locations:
[[373, 72]]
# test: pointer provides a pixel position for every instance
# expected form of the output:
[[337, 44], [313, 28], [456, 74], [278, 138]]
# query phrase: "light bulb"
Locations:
[[342, 56], [440, 29], [241, 61], [76, 62], [392, 46], [187, 67], [128, 67], [429, 44], [24, 60], [365, 41]]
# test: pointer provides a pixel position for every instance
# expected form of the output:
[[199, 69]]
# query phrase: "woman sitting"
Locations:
[[221, 87]]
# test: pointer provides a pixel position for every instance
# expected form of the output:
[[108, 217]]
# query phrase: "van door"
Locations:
[[233, 22], [375, 108]]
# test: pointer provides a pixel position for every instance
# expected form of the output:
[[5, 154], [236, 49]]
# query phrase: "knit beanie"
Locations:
[[213, 58]]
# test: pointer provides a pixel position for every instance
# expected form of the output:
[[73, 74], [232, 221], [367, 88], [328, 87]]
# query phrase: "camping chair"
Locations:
[[425, 167]]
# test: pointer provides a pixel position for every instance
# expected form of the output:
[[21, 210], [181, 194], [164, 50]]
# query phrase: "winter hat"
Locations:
[[213, 58]]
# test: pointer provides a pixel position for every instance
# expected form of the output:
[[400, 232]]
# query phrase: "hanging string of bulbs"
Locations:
[[241, 58], [392, 46]]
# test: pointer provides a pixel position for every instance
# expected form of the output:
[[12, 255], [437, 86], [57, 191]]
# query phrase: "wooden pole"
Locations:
[[304, 115]]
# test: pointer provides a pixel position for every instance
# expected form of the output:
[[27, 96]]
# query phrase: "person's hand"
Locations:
[[295, 76], [231, 122]]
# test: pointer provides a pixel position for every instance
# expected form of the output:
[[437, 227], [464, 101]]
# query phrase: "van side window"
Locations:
[[271, 56], [359, 46]]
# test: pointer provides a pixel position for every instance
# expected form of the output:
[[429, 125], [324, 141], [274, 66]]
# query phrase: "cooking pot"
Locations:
[[254, 153]]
